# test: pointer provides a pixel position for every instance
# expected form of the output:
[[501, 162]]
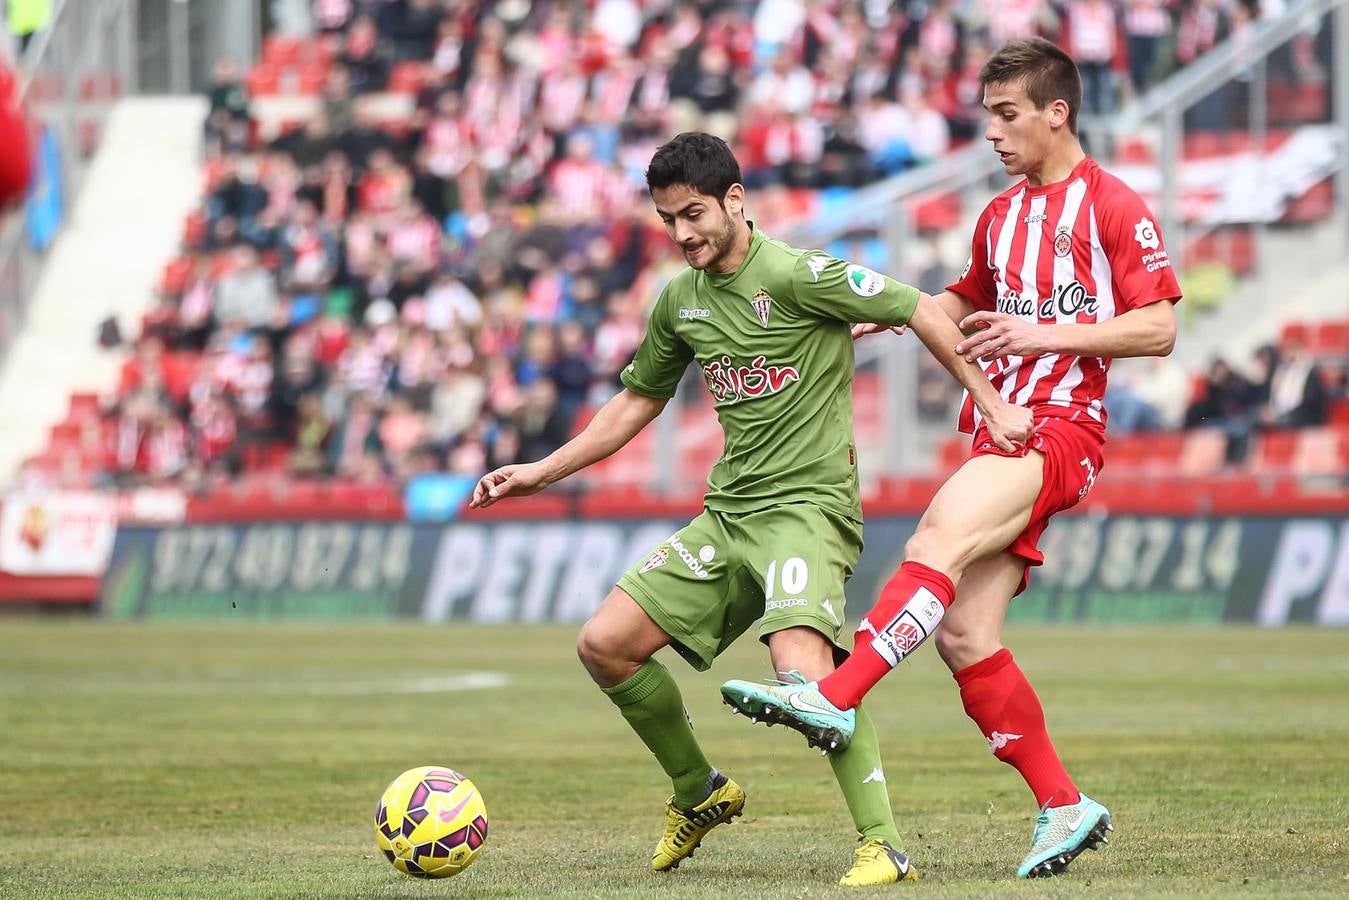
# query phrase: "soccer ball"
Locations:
[[431, 822]]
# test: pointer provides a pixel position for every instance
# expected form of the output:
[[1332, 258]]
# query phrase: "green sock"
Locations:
[[651, 703], [858, 771]]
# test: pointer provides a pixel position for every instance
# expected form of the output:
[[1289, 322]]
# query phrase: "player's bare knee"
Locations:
[[961, 647], [593, 649]]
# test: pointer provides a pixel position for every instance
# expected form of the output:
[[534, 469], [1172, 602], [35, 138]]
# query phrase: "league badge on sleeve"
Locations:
[[863, 282]]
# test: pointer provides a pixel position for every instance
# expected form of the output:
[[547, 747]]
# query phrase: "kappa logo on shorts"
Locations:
[[785, 604], [657, 559]]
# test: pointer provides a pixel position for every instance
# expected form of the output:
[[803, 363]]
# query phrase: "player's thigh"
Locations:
[[687, 585], [802, 556], [972, 627], [978, 511]]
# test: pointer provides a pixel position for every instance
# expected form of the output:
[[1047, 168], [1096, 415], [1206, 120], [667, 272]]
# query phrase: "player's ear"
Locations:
[[734, 201], [1058, 113]]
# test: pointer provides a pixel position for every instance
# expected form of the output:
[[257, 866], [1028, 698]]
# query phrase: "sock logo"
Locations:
[[876, 775], [997, 740]]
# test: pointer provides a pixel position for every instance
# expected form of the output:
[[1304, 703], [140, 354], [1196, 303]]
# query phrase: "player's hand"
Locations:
[[508, 481], [997, 335], [864, 328], [1009, 426]]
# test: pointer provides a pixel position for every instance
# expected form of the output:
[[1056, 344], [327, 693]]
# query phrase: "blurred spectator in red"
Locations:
[[1091, 33], [1146, 25]]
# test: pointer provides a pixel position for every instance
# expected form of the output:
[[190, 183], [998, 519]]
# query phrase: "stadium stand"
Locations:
[[432, 254]]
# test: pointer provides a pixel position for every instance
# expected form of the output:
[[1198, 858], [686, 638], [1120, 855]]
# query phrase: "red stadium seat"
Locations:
[[1162, 450], [1136, 151], [1201, 144], [1276, 450], [1300, 332], [1320, 451], [194, 228], [83, 404], [264, 80], [1315, 205], [1339, 413], [312, 77], [1331, 338], [281, 51], [1126, 452], [952, 452], [1204, 452], [1310, 103], [175, 276]]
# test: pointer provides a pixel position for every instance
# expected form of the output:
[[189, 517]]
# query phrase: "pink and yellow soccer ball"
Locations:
[[431, 822]]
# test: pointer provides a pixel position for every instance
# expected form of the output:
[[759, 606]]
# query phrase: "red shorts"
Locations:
[[1073, 459]]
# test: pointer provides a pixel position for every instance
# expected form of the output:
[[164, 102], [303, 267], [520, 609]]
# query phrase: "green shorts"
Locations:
[[714, 577]]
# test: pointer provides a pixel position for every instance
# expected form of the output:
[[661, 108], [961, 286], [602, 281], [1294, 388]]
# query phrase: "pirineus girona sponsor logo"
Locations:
[[732, 383], [696, 567]]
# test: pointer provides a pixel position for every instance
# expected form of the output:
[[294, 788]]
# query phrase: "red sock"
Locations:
[[1002, 703], [910, 607]]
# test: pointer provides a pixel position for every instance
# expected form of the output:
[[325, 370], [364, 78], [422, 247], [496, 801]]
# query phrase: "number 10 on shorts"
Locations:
[[794, 578]]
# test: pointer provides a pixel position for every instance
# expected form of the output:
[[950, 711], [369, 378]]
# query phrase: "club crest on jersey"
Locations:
[[763, 304], [657, 559], [1063, 242], [731, 383]]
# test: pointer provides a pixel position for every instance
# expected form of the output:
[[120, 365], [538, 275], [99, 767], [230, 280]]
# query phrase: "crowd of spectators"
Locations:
[[1283, 386], [446, 292]]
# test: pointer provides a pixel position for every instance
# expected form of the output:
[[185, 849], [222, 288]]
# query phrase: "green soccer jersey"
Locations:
[[773, 342]]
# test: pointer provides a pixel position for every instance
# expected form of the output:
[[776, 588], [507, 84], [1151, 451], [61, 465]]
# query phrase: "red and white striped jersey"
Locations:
[[1079, 251]]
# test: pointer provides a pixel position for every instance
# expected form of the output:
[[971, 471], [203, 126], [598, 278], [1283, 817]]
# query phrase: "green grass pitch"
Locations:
[[172, 760]]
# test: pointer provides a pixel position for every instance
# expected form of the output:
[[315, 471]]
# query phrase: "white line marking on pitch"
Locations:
[[434, 684]]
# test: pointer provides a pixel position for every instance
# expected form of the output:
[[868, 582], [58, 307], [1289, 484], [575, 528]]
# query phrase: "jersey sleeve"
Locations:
[[975, 283], [660, 359], [1139, 265], [837, 289]]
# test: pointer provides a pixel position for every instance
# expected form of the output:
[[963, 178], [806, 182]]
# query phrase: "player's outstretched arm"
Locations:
[[1146, 331], [1007, 423], [955, 306], [617, 422]]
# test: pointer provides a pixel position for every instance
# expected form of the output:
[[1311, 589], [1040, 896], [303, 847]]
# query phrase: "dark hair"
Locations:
[[1047, 72], [701, 161]]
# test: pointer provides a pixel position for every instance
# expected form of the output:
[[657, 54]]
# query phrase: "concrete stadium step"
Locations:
[[106, 261]]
